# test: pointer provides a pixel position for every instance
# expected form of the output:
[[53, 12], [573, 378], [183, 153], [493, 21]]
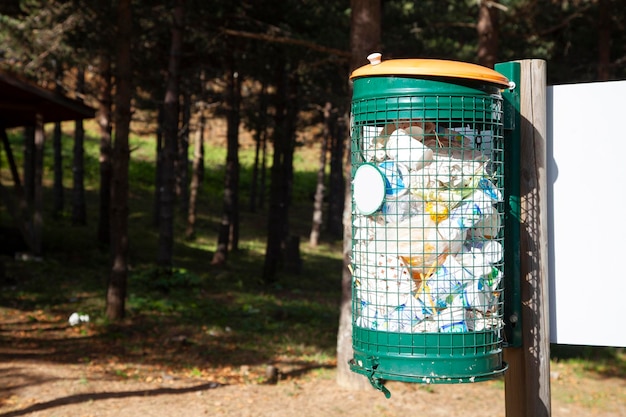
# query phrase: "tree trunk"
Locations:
[[182, 183], [337, 184], [228, 234], [38, 186], [277, 198], [15, 175], [604, 41], [263, 179], [104, 123], [170, 142], [365, 30], [281, 173], [259, 140], [158, 172], [364, 39], [58, 201], [196, 178], [79, 211], [57, 188], [116, 291], [29, 164], [290, 243], [345, 377], [487, 29], [254, 181], [318, 199]]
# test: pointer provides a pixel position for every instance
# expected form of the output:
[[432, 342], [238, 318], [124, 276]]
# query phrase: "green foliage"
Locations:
[[606, 361], [35, 39], [429, 29]]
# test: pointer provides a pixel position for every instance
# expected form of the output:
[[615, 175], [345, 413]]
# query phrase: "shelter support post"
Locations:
[[38, 186]]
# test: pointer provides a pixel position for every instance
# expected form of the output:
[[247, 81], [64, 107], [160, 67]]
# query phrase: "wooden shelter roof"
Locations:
[[21, 101]]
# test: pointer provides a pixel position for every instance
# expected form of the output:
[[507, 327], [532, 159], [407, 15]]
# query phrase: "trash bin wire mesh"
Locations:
[[427, 238]]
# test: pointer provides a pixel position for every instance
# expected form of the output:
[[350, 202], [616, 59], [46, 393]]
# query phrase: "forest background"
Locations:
[[209, 192]]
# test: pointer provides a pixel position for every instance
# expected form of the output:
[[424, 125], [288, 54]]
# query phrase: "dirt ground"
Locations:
[[38, 378], [40, 389]]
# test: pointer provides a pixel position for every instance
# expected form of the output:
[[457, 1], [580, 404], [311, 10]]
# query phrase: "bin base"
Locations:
[[426, 358]]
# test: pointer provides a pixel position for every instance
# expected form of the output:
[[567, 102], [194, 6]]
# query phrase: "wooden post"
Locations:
[[38, 186], [527, 381], [11, 160]]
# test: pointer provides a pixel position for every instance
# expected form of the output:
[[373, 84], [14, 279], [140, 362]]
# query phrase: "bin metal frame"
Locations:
[[446, 93], [512, 218]]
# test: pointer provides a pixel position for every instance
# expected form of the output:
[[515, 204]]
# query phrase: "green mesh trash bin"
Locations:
[[427, 212]]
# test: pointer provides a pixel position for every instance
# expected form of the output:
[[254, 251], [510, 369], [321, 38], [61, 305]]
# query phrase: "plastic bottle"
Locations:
[[403, 148]]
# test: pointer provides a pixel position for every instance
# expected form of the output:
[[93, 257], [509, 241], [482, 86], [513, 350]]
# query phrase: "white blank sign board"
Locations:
[[586, 173]]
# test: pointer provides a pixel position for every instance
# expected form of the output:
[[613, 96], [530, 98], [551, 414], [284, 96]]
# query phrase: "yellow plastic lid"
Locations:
[[429, 67]]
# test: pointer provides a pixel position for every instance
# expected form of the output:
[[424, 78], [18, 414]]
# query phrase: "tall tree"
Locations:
[[57, 187], [229, 225], [337, 184], [29, 164], [182, 165], [279, 174], [116, 291], [158, 171], [92, 40], [170, 141], [39, 141], [104, 123], [259, 124], [604, 40], [79, 209], [58, 197], [197, 174], [318, 198], [365, 37], [487, 28]]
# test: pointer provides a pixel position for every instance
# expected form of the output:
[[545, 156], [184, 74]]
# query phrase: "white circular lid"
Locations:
[[368, 189]]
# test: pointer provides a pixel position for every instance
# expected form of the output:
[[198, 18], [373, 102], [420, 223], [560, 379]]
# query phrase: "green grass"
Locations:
[[226, 314], [599, 360]]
